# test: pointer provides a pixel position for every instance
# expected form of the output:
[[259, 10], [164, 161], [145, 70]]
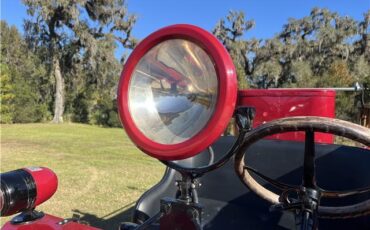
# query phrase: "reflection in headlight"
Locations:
[[173, 91]]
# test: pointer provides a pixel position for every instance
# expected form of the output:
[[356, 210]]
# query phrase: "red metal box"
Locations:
[[272, 104]]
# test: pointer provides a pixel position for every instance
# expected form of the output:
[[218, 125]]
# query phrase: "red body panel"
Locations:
[[46, 183], [272, 104], [225, 103], [48, 222]]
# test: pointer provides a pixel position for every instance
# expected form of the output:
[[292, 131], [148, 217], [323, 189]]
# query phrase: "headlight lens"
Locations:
[[173, 91]]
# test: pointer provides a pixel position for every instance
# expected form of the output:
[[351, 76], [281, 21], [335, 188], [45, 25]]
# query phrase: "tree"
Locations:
[[229, 32], [301, 75], [362, 46], [319, 39], [73, 30], [6, 96], [26, 84], [323, 49]]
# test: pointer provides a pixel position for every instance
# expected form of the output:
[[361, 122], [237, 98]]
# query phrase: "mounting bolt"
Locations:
[[166, 208], [192, 213]]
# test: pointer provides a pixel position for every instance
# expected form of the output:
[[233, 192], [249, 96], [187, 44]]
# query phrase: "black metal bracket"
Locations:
[[244, 117], [186, 205], [187, 188], [27, 216]]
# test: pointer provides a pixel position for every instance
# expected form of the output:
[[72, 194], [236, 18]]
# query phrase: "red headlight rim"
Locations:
[[226, 100]]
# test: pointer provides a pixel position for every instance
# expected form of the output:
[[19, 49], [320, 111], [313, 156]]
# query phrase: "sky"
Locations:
[[269, 16]]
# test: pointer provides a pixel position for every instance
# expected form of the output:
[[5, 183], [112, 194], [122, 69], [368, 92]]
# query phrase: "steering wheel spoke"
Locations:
[[275, 183], [309, 179], [340, 194]]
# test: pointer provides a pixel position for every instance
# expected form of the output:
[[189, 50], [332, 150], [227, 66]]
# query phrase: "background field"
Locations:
[[101, 173]]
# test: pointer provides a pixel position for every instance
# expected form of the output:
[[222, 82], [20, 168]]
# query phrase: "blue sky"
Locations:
[[269, 16]]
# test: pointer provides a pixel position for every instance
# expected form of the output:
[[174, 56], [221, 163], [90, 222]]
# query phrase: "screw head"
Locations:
[[166, 208], [192, 213]]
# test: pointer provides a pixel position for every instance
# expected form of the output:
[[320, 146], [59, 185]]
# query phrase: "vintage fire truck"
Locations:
[[281, 169]]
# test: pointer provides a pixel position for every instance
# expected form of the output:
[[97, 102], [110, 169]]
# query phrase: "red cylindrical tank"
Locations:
[[24, 189], [46, 183], [271, 104]]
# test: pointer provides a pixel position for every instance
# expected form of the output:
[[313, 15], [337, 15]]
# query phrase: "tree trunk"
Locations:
[[59, 92]]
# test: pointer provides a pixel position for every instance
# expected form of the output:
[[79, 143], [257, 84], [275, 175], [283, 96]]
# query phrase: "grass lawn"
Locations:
[[101, 173]]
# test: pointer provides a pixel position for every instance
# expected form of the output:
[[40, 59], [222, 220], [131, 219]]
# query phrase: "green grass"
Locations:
[[101, 173]]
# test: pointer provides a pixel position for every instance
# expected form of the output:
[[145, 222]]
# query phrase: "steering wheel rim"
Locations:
[[337, 127]]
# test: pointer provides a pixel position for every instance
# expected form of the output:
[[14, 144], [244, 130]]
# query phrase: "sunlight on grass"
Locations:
[[99, 169]]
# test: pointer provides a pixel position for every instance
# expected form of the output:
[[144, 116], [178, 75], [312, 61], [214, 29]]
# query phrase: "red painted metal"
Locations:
[[226, 96], [272, 104], [46, 183], [48, 222]]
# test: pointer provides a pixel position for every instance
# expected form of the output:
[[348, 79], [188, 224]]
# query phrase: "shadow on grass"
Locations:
[[109, 221]]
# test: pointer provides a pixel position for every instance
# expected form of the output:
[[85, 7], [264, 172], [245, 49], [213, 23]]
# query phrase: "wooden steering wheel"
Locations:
[[309, 125]]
